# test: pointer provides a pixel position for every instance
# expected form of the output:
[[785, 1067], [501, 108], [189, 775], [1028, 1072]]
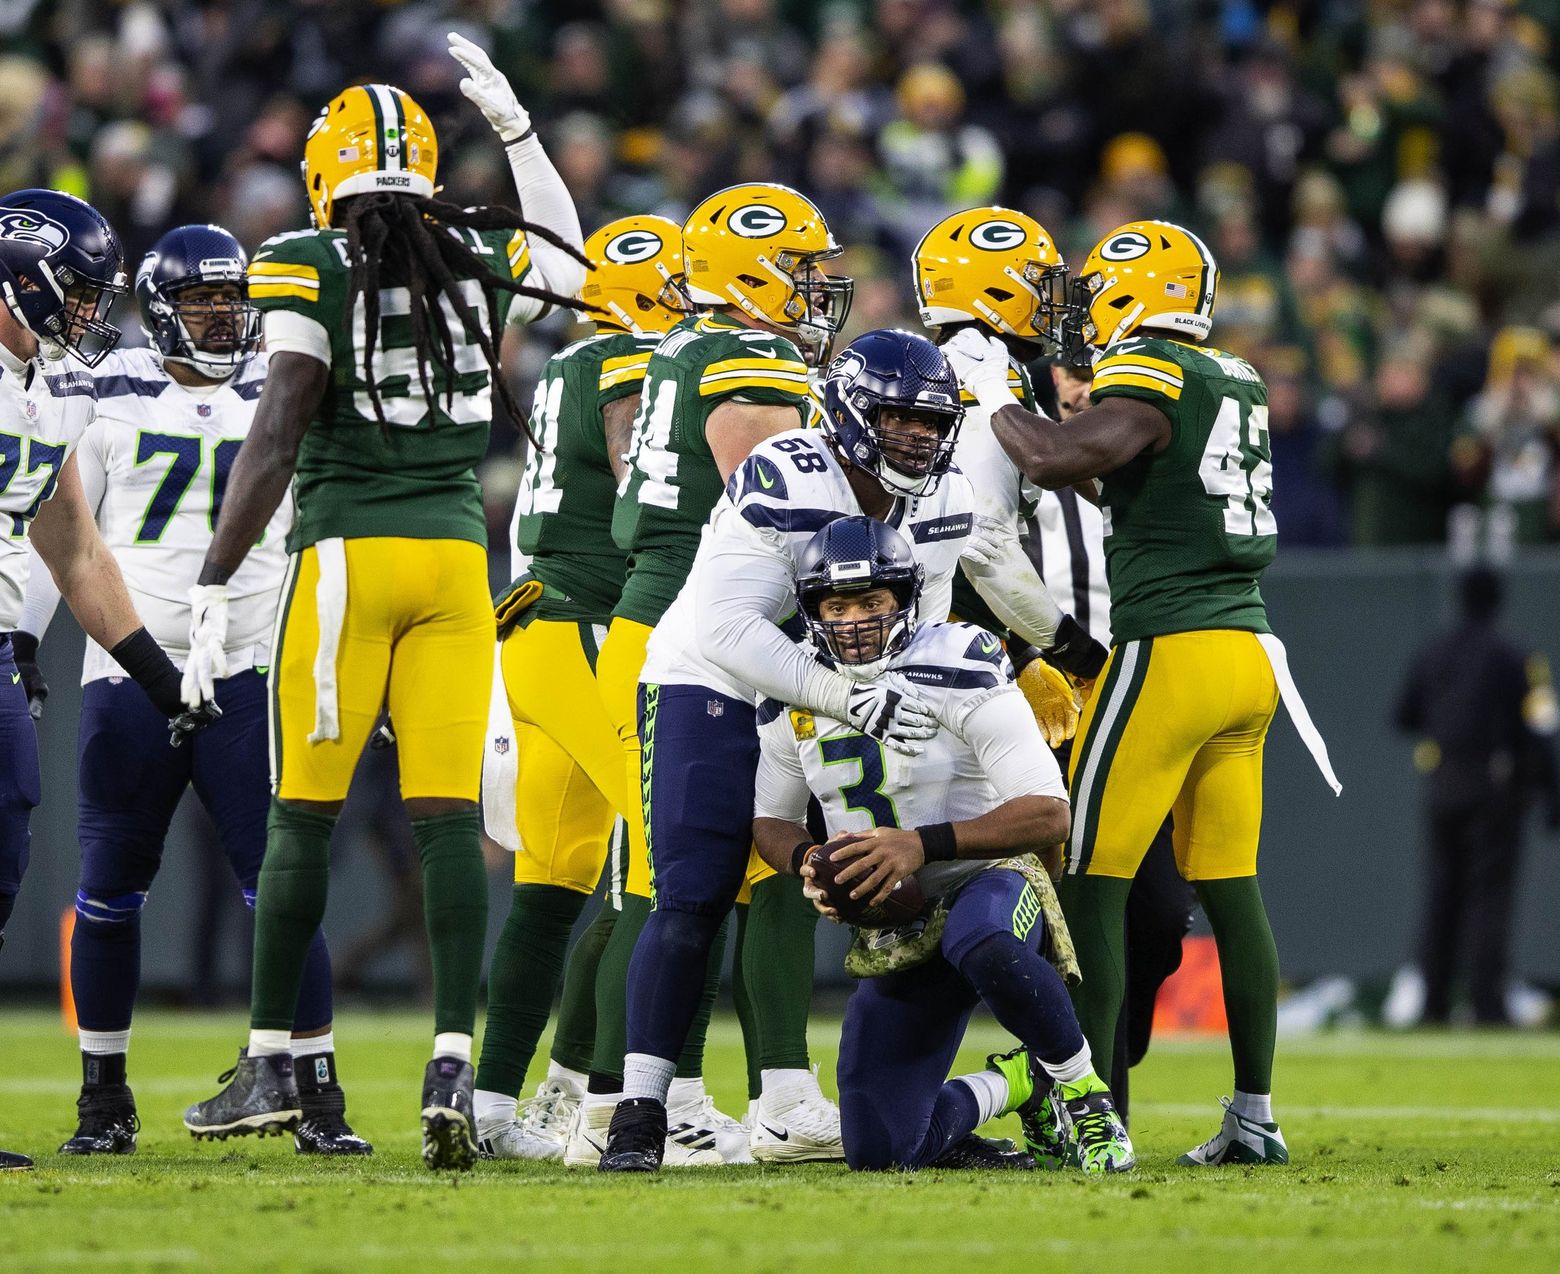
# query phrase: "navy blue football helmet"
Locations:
[[909, 377], [213, 333], [858, 555], [61, 265]]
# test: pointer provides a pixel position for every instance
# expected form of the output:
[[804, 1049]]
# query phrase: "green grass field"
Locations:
[[1421, 1152]]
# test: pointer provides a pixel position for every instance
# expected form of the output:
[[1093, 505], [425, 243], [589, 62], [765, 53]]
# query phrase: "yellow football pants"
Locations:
[[621, 661], [416, 636], [569, 787], [1175, 726]]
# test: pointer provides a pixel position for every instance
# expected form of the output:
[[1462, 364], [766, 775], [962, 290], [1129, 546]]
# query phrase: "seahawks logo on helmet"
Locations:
[[1127, 246], [997, 236], [25, 226], [757, 221], [632, 247]]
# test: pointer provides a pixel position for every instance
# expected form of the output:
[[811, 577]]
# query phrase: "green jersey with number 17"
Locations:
[[673, 482], [563, 514], [416, 475], [1189, 530]]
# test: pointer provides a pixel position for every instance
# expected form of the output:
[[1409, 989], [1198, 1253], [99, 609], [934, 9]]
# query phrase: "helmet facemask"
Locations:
[[819, 303], [871, 620], [672, 297], [211, 334], [81, 327]]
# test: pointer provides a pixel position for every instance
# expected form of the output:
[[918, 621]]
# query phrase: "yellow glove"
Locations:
[[1050, 696]]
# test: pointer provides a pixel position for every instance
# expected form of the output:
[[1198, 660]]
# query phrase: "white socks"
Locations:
[[647, 1076], [494, 1106], [452, 1044], [776, 1079], [269, 1043], [573, 1080], [1073, 1068], [1254, 1106], [325, 1043], [685, 1092], [100, 1042], [991, 1093]]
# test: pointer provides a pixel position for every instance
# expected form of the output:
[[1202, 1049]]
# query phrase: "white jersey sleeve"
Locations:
[[1012, 752], [782, 790]]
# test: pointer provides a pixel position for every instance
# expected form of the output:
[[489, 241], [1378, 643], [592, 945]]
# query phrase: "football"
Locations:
[[901, 906]]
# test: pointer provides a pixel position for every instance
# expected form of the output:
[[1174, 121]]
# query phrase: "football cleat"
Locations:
[[636, 1138], [324, 1129], [550, 1114], [261, 1097], [1040, 1110], [984, 1154], [509, 1138], [588, 1133], [700, 1134], [106, 1122], [1239, 1140], [797, 1124], [448, 1139], [1100, 1141], [10, 1161]]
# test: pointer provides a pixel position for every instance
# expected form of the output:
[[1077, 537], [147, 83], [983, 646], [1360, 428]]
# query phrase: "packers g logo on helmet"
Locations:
[[369, 137], [636, 283], [759, 247], [992, 266], [1145, 274]]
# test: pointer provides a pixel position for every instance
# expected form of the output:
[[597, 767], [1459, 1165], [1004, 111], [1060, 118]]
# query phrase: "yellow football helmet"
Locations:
[[369, 137], [1144, 274], [759, 247], [638, 275], [992, 266]]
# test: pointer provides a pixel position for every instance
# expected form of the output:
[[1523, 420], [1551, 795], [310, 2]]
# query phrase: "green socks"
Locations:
[[527, 965], [1096, 911], [691, 1064], [575, 1038], [455, 911], [1248, 963], [746, 1018], [777, 968], [289, 905]]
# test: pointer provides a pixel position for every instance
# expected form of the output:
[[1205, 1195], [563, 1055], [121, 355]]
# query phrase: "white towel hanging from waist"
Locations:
[[1290, 694], [330, 605]]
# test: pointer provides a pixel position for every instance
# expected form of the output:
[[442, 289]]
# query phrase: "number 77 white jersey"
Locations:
[[155, 465]]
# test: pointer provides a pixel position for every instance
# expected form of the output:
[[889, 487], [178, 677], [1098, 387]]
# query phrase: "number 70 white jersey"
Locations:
[[155, 466]]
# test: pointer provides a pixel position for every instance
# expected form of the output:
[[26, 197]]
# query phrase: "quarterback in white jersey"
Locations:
[[965, 818], [154, 468]]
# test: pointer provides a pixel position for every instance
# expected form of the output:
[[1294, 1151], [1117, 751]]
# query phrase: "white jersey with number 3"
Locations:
[[155, 466]]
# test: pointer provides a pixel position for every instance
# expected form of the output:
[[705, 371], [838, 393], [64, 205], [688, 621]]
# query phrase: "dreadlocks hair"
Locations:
[[412, 241]]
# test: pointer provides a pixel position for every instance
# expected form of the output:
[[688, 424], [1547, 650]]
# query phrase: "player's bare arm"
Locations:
[[735, 428], [781, 843], [266, 461], [1098, 440], [618, 419]]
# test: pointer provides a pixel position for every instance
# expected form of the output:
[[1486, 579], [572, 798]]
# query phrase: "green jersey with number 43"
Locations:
[[563, 515], [415, 477], [672, 480], [1189, 530]]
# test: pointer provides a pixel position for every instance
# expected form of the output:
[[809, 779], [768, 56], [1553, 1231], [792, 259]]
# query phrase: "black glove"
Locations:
[[192, 721], [25, 648], [1075, 652], [141, 656]]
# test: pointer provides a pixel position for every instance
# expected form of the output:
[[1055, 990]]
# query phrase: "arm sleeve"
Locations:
[[545, 201], [782, 784], [744, 588], [42, 598], [1008, 582], [1007, 741], [288, 332]]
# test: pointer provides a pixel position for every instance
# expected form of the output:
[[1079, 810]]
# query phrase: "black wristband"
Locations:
[[141, 656], [799, 856], [938, 842], [25, 647], [1074, 651]]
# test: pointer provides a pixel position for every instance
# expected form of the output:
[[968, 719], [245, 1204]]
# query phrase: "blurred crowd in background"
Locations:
[[1379, 179]]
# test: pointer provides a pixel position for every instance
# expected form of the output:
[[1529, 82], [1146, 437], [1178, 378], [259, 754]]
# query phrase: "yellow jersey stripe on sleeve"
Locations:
[[272, 288], [297, 269], [1160, 384], [752, 380], [619, 371], [519, 255], [1139, 360], [768, 366]]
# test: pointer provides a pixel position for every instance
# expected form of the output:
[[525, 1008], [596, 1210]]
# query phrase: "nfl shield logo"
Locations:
[[31, 410], [715, 707], [203, 409], [501, 744]]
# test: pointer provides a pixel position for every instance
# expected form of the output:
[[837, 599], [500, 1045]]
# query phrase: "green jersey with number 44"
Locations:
[[563, 515], [415, 476], [673, 482], [1189, 530]]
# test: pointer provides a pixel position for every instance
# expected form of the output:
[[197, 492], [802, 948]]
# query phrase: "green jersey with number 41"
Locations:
[[416, 475], [1189, 530]]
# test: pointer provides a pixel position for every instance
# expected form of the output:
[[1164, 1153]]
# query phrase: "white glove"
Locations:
[[489, 90], [208, 641], [888, 716], [980, 361], [987, 547]]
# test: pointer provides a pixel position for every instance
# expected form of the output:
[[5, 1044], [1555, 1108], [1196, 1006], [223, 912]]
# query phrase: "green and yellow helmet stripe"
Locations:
[[389, 125]]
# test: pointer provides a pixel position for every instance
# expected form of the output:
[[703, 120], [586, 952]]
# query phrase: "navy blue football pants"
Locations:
[[699, 765], [131, 779], [902, 1031], [20, 785]]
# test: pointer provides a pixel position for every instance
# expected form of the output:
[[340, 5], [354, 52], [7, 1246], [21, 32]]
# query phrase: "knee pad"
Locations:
[[100, 908], [685, 929]]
